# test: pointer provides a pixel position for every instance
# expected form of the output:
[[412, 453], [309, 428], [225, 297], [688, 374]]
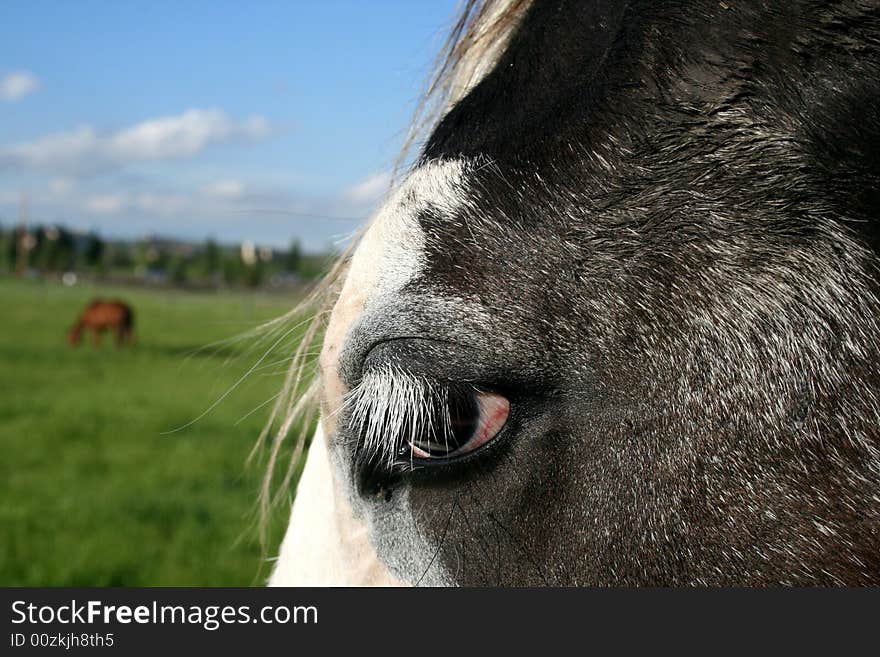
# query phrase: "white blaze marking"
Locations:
[[325, 544], [391, 252]]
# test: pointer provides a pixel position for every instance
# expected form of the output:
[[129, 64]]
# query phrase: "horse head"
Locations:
[[618, 324]]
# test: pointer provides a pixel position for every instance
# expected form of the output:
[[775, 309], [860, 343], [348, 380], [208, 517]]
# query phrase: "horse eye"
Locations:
[[473, 418]]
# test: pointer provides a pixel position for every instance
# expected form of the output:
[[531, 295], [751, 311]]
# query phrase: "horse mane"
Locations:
[[474, 44], [478, 37]]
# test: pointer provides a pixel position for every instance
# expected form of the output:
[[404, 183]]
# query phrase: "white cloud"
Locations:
[[105, 203], [16, 85], [209, 200], [61, 186], [163, 203], [57, 149], [180, 136], [256, 127], [163, 138], [369, 190], [224, 189]]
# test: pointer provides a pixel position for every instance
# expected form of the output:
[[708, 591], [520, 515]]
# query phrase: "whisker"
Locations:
[[439, 545], [256, 408], [233, 387]]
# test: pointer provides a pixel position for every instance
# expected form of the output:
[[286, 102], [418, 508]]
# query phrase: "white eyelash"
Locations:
[[391, 408]]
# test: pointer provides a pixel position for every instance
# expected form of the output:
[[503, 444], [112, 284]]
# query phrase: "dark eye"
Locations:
[[468, 420]]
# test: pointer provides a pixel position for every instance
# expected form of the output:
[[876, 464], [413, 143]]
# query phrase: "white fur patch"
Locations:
[[391, 252], [325, 543]]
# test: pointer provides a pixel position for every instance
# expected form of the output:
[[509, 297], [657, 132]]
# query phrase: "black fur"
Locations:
[[673, 222]]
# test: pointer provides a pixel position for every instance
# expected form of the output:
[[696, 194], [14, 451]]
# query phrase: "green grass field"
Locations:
[[91, 491]]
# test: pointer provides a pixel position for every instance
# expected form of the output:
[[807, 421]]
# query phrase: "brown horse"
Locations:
[[101, 315]]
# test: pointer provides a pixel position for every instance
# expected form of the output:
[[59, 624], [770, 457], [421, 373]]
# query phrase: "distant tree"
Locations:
[[141, 254], [93, 252], [232, 268], [66, 249], [314, 266], [178, 270], [38, 251], [118, 256], [5, 252], [211, 257], [253, 274], [12, 249], [55, 249], [293, 259]]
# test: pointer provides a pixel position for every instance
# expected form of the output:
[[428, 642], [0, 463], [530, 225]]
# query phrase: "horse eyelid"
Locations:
[[392, 410]]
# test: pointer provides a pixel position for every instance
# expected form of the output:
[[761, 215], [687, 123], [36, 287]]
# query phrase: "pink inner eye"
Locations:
[[472, 422]]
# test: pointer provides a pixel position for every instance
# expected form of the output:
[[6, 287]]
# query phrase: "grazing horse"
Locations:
[[100, 316], [618, 323]]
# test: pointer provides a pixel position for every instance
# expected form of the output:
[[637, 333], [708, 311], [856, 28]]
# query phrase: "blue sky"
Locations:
[[198, 119]]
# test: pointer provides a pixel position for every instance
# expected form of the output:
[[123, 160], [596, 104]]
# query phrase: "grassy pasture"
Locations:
[[91, 491]]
